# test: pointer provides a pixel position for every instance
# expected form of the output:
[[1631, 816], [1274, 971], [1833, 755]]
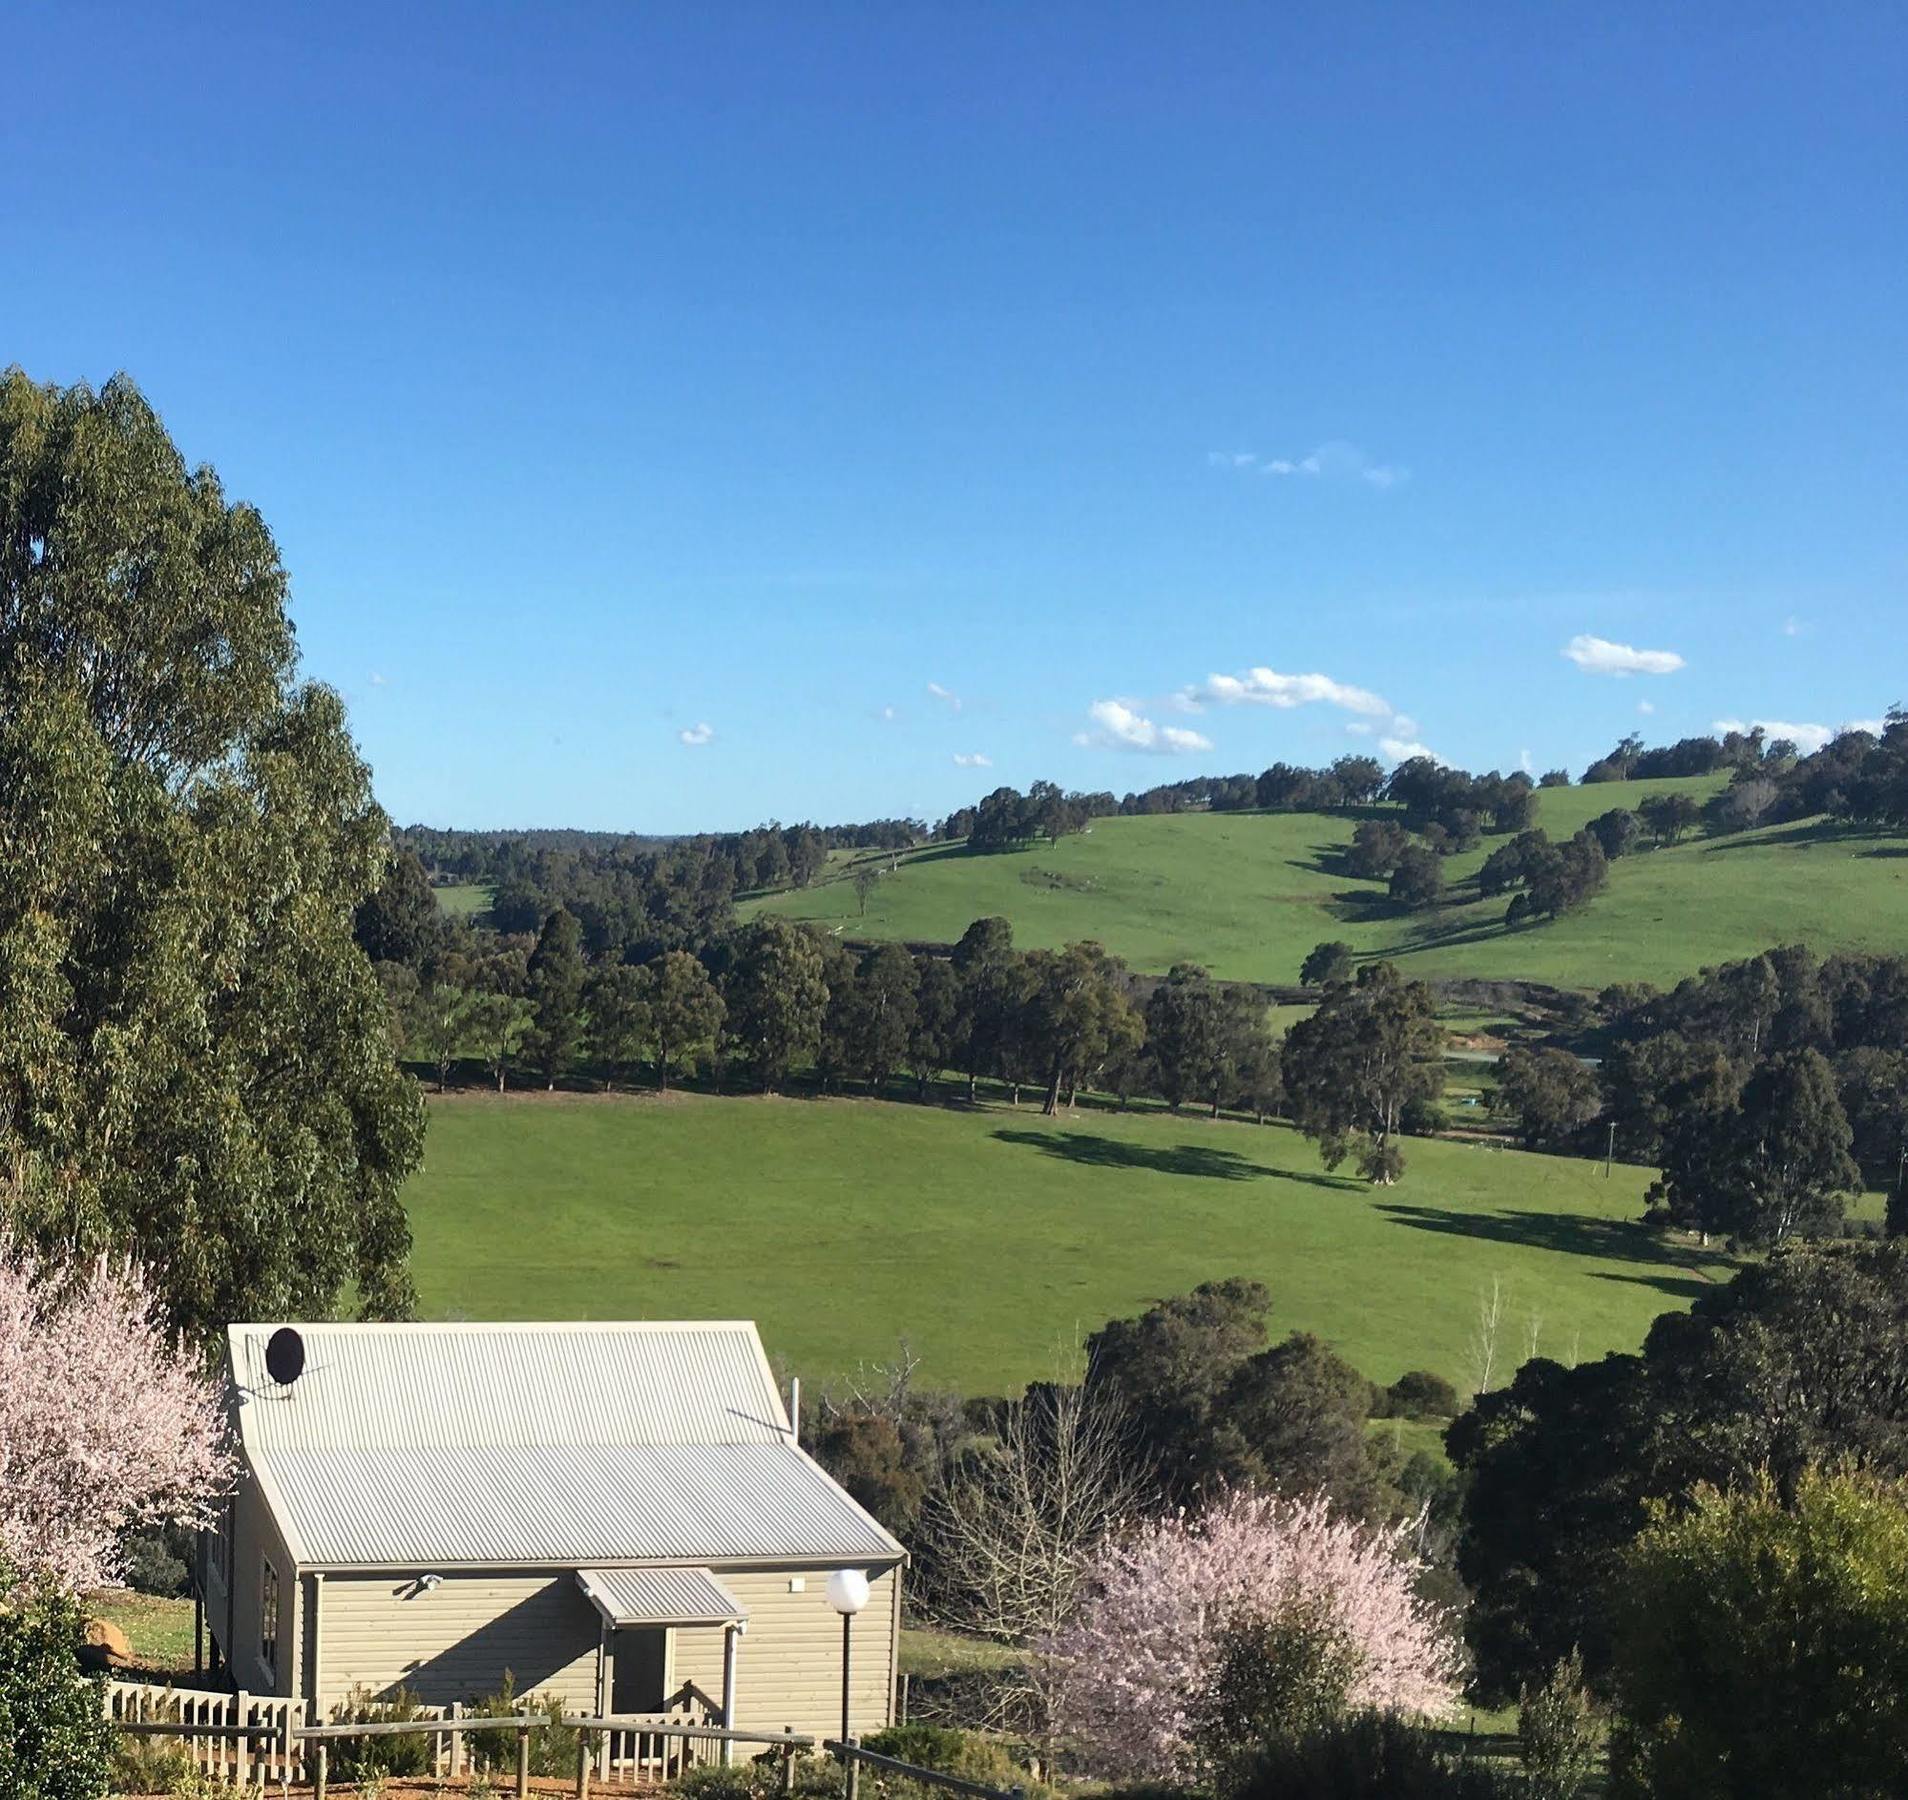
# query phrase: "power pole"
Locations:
[[1609, 1152]]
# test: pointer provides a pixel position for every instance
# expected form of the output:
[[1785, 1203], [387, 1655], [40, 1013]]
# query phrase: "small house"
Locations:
[[616, 1514]]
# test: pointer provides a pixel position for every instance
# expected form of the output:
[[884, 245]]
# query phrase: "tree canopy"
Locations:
[[195, 1061]]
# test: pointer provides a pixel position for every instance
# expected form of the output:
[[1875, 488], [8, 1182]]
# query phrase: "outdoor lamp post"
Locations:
[[847, 1594]]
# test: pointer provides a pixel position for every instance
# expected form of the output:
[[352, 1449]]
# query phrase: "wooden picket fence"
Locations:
[[253, 1739]]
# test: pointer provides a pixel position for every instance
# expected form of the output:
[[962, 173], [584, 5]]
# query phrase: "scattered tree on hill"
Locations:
[[1077, 1014], [557, 978], [1616, 831], [776, 998], [1292, 1419], [1765, 1163], [1376, 846], [1327, 964], [1161, 1600], [1353, 1065], [1873, 1087], [620, 1028], [1418, 880], [107, 1422], [1669, 817], [866, 879], [885, 1005], [1552, 1093], [934, 1042], [1761, 1644], [1183, 1031], [195, 1058], [685, 1013], [440, 1027], [984, 960], [1554, 778], [500, 1024]]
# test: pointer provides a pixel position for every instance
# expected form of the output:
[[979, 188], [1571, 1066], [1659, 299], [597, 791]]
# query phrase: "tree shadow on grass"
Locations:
[[1205, 1160], [1617, 1240], [1680, 1287]]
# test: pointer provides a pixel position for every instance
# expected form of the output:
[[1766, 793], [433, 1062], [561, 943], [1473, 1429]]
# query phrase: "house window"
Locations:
[[268, 1620]]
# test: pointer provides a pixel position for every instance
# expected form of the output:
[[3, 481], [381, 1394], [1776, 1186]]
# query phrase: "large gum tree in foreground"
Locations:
[[195, 1065]]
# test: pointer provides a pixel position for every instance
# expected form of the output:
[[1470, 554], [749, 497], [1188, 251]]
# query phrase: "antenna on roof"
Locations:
[[285, 1355]]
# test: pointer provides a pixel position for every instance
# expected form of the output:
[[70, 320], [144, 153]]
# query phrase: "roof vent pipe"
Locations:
[[795, 1409]]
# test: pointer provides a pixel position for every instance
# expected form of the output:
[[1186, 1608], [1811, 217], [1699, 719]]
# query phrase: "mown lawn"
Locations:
[[159, 1627], [994, 1241], [1249, 894]]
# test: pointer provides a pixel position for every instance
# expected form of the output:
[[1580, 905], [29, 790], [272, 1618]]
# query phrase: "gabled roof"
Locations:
[[560, 1445]]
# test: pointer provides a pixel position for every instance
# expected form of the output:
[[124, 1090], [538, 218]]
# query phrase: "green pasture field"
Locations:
[[464, 900], [1248, 894], [995, 1240]]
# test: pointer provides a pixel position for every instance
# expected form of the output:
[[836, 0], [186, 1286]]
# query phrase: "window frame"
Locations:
[[269, 1617]]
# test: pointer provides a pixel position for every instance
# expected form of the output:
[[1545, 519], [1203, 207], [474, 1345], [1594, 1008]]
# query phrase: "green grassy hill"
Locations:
[[1248, 894], [995, 1240]]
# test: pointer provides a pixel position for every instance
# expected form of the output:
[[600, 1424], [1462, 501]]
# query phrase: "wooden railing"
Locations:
[[252, 1739]]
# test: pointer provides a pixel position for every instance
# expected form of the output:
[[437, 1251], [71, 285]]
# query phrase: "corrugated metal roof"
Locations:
[[661, 1597], [419, 1446], [366, 1386]]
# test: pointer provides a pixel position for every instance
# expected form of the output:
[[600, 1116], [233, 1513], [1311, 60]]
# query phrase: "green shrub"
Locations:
[[353, 1759], [1557, 1734], [1274, 1679], [552, 1746], [1374, 1756], [149, 1765], [948, 1752], [55, 1740], [816, 1778], [1419, 1394]]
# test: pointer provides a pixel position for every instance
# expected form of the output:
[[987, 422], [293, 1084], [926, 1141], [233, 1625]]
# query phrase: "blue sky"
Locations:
[[678, 416]]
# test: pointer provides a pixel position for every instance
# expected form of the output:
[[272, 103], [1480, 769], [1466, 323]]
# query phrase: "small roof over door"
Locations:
[[661, 1597]]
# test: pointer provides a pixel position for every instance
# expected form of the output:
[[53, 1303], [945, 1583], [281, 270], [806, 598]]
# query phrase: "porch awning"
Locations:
[[660, 1597]]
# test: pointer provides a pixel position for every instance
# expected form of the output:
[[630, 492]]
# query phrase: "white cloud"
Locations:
[[972, 759], [1598, 656], [379, 680], [887, 715], [1793, 627], [695, 736], [1525, 763], [1119, 725], [1267, 687], [1335, 460], [1406, 750], [1358, 727], [1805, 737], [946, 696], [1646, 707]]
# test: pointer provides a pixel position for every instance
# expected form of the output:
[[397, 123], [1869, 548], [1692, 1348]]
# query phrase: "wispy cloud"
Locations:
[[1267, 687], [887, 714], [695, 736], [1598, 656], [1336, 460], [1120, 725], [1793, 627], [972, 759], [1646, 707], [946, 696], [1406, 750], [379, 679]]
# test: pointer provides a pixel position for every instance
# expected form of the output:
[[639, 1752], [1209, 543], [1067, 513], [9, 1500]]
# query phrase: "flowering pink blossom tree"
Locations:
[[1139, 1658], [106, 1422]]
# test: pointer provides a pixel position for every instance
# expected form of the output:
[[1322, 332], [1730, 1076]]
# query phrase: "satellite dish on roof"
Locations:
[[285, 1355]]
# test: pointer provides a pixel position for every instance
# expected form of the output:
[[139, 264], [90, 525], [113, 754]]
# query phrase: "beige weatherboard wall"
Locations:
[[608, 1512]]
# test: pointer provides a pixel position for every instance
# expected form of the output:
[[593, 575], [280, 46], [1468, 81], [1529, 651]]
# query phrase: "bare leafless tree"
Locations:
[[1013, 1529], [1482, 1357]]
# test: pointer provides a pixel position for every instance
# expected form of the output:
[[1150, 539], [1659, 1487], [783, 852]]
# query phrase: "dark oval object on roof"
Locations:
[[285, 1355]]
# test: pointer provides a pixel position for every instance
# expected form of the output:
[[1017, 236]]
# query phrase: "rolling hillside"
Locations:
[[1248, 894], [995, 1240]]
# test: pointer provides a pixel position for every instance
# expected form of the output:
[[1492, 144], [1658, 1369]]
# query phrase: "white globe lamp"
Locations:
[[848, 1594]]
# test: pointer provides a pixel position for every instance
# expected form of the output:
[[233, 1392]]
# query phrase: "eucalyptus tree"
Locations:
[[195, 1064]]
